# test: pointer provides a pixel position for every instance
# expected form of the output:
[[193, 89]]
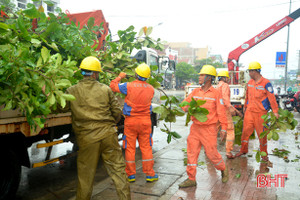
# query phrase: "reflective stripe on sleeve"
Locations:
[[210, 98], [191, 164], [147, 160], [218, 163]]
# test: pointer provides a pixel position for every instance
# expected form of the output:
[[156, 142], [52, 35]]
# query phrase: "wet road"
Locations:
[[43, 182], [57, 181]]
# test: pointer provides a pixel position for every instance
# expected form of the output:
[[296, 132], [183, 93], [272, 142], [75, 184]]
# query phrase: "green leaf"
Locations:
[[294, 124], [174, 100], [264, 133], [193, 103], [201, 163], [141, 32], [185, 103], [8, 105], [63, 83], [22, 27], [91, 22], [175, 134], [203, 111], [270, 135], [163, 98], [36, 42], [62, 102], [188, 119], [179, 112], [58, 61], [200, 117], [45, 54], [49, 3], [262, 153], [257, 156], [4, 26], [201, 102], [169, 138], [149, 30], [39, 122], [238, 175], [68, 97], [275, 136], [159, 109], [51, 99], [54, 46], [31, 11]]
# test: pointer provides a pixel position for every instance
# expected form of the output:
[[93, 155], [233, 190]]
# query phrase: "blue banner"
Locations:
[[280, 58]]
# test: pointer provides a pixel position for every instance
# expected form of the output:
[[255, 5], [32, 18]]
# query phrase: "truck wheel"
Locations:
[[10, 170]]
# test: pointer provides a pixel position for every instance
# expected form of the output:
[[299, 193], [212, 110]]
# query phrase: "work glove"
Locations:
[[122, 75]]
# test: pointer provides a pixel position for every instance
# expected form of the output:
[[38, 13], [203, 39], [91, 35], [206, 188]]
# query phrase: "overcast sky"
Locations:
[[223, 25]]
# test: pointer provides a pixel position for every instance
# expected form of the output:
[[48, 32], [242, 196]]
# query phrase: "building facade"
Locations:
[[22, 4], [188, 54]]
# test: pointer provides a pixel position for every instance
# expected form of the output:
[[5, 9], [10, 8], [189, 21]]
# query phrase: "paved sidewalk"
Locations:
[[243, 171]]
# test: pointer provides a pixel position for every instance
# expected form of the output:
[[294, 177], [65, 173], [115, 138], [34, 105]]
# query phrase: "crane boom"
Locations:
[[233, 57]]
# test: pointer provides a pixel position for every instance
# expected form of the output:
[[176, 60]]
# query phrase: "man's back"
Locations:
[[95, 110]]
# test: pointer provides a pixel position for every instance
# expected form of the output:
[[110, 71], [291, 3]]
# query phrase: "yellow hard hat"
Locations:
[[223, 73], [91, 63], [209, 70], [254, 65], [143, 70]]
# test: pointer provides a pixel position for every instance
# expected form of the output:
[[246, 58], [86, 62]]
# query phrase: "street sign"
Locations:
[[280, 59]]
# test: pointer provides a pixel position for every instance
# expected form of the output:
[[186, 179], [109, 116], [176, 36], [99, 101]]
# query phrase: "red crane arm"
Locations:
[[234, 55]]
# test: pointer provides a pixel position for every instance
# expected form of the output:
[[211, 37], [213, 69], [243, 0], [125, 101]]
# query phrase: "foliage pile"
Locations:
[[273, 127], [285, 121], [49, 56]]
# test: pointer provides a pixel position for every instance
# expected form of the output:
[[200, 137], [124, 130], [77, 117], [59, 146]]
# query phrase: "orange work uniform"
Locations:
[[259, 99], [205, 133], [137, 109], [224, 90]]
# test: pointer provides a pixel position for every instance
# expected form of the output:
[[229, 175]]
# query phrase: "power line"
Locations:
[[255, 8]]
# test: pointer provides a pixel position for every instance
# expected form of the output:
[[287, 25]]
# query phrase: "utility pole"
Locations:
[[287, 51]]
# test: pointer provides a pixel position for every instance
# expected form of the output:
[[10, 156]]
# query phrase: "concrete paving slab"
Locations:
[[169, 166], [176, 154]]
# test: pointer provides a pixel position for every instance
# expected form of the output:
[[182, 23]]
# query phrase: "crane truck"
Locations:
[[238, 77]]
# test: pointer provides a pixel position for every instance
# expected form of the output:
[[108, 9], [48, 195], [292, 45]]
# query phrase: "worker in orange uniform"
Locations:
[[137, 109], [259, 99], [95, 113], [205, 133], [223, 88]]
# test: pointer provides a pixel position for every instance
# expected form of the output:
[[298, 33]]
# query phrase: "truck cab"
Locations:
[[165, 65]]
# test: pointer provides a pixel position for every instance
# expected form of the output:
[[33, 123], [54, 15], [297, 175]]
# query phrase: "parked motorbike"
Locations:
[[295, 101], [287, 101]]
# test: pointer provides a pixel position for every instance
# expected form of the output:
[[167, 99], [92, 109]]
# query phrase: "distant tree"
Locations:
[[208, 61], [185, 72]]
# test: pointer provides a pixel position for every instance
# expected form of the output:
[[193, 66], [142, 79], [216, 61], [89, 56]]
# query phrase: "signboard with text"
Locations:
[[280, 59]]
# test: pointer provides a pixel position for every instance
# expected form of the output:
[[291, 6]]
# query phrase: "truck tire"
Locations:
[[10, 170]]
